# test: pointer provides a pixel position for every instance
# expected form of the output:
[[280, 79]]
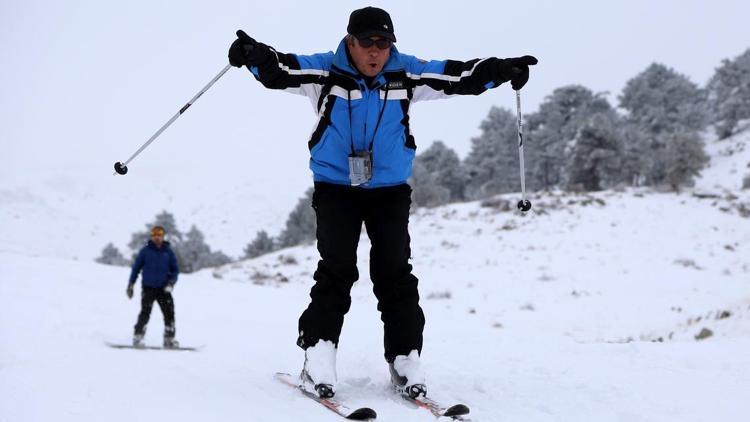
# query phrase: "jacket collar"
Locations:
[[164, 245]]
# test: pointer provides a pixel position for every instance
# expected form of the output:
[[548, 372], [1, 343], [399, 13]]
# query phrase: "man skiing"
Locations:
[[361, 157], [159, 265]]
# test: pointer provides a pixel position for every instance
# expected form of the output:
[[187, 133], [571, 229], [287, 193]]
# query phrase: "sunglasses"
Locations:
[[382, 43]]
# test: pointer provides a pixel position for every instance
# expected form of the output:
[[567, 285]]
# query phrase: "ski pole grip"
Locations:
[[250, 42]]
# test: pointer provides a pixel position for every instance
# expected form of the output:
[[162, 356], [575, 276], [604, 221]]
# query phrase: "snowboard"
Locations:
[[130, 346]]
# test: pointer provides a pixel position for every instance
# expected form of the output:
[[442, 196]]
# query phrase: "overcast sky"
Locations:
[[86, 82]]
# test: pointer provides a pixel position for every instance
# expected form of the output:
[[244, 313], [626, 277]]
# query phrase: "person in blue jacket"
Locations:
[[158, 263], [361, 153]]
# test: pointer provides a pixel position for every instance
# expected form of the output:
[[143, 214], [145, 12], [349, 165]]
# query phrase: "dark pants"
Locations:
[[164, 299], [340, 212]]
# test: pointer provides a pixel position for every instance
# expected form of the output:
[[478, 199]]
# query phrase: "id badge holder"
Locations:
[[360, 167]]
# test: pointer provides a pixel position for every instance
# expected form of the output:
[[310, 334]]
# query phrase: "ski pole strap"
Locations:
[[179, 113]]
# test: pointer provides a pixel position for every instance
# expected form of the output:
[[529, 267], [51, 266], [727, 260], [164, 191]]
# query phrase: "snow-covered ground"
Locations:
[[730, 162], [58, 314], [80, 208], [615, 306]]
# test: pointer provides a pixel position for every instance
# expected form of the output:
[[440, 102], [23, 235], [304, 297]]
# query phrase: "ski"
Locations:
[[130, 346], [332, 404], [456, 412]]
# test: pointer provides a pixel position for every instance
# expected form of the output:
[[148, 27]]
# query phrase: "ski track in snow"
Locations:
[[552, 316]]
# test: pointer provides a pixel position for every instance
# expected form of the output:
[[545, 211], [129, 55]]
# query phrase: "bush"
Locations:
[[261, 245], [300, 225], [112, 256], [685, 160]]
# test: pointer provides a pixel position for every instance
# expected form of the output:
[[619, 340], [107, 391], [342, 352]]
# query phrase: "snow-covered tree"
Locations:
[[426, 191], [193, 248], [438, 176], [164, 219], [685, 159], [300, 225], [190, 249], [662, 101], [665, 106], [196, 254], [729, 94], [492, 163], [443, 163], [595, 154], [552, 129], [262, 244], [635, 161], [112, 256]]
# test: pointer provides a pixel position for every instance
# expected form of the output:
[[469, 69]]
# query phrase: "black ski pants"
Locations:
[[166, 303], [340, 212]]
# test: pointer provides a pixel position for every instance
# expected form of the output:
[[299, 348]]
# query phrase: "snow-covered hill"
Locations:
[[617, 306], [730, 162], [71, 216], [537, 318]]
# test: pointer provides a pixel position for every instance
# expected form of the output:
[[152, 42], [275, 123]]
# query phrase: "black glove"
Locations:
[[129, 291], [515, 70], [245, 51]]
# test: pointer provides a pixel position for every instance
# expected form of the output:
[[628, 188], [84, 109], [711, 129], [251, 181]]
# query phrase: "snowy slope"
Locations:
[[71, 216], [588, 308], [730, 162], [528, 318]]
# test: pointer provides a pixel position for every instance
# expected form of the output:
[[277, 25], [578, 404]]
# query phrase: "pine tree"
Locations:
[[438, 177], [112, 256], [663, 103], [685, 160], [552, 130], [635, 161], [262, 244], [301, 223], [729, 94], [164, 219], [596, 154], [492, 163], [193, 250], [443, 163], [196, 254], [190, 249], [426, 191]]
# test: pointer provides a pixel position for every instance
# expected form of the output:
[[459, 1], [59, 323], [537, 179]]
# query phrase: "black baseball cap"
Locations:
[[371, 21]]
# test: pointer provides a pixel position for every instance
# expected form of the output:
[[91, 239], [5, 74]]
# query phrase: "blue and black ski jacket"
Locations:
[[159, 266], [355, 115]]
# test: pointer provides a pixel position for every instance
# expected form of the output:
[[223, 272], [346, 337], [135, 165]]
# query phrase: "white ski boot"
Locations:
[[319, 371], [407, 376]]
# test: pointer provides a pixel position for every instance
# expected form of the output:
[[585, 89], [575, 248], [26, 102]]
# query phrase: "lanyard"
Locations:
[[377, 125]]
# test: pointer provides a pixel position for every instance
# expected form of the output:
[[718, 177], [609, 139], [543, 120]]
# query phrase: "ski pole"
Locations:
[[122, 168], [524, 204]]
